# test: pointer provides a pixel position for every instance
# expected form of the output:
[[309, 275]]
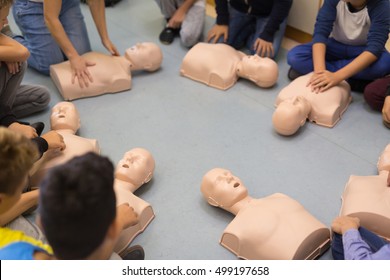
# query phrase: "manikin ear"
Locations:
[[148, 178], [212, 202]]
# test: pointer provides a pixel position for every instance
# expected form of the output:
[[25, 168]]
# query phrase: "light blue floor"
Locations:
[[191, 128]]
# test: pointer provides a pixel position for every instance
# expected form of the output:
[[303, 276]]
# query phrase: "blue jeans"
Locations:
[[245, 29], [37, 38], [374, 241], [337, 56]]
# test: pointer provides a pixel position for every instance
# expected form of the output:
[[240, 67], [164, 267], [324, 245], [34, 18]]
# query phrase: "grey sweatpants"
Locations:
[[23, 99], [192, 26]]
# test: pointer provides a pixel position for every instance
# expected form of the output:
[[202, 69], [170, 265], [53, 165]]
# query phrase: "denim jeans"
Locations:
[[37, 38], [374, 241], [245, 29], [337, 56]]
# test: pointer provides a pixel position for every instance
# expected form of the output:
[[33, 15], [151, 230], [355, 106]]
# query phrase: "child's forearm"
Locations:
[[27, 200], [11, 50], [319, 50], [358, 64]]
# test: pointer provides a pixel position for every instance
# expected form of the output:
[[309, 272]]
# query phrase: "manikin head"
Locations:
[[64, 115], [144, 56], [263, 71], [220, 188], [136, 167], [290, 115]]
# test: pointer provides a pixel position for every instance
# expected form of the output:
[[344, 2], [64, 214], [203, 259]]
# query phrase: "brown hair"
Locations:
[[17, 156], [5, 3]]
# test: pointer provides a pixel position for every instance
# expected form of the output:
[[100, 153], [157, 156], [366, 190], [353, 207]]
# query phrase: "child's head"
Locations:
[[4, 11], [17, 156], [77, 207]]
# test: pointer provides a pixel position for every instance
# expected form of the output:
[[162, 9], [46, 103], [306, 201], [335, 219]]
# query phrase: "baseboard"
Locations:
[[297, 35]]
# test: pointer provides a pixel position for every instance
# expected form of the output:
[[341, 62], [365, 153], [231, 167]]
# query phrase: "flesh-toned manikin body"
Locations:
[[110, 74], [220, 66], [368, 198], [133, 170], [275, 227], [65, 120], [290, 115], [326, 107]]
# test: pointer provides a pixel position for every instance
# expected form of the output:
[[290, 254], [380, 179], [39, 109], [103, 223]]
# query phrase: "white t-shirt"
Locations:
[[351, 28]]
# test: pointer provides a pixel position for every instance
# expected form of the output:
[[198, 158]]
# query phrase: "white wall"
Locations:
[[303, 15]]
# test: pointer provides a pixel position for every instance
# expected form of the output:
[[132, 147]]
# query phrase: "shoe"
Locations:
[[358, 85], [293, 74], [6, 30], [168, 35], [39, 126], [133, 253]]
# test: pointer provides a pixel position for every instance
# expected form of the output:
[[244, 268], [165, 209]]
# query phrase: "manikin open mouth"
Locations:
[[236, 185], [125, 166], [61, 116]]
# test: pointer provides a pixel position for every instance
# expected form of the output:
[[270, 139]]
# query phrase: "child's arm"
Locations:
[[11, 50], [27, 200]]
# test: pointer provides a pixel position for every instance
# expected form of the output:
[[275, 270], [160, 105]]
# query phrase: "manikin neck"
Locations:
[[234, 209], [127, 184], [65, 131]]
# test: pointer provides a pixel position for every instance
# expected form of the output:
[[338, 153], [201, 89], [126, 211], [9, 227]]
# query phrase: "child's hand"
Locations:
[[344, 223], [27, 130], [126, 215], [13, 67]]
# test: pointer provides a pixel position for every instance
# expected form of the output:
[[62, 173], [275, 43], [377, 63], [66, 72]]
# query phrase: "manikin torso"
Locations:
[[134, 170], [75, 146], [111, 74], [124, 194], [273, 228], [368, 198], [326, 107], [212, 64]]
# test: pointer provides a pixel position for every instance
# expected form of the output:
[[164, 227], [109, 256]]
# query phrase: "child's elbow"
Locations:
[[23, 53]]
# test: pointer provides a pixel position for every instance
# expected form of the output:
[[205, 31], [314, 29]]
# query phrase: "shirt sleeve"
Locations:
[[279, 13], [221, 7], [379, 12], [355, 248], [325, 20]]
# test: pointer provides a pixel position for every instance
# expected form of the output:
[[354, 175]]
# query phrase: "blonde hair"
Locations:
[[17, 156]]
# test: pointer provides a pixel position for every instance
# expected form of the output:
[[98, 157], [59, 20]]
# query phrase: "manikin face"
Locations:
[[4, 11], [64, 115], [290, 115], [260, 70], [147, 56], [221, 188], [136, 167]]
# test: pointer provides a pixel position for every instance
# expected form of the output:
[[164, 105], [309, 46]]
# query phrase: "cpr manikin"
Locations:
[[326, 107], [65, 120], [110, 74], [290, 115], [133, 170], [220, 66], [368, 198], [275, 227]]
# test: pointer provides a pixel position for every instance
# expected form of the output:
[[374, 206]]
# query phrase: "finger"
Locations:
[[79, 79], [73, 78], [89, 76]]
